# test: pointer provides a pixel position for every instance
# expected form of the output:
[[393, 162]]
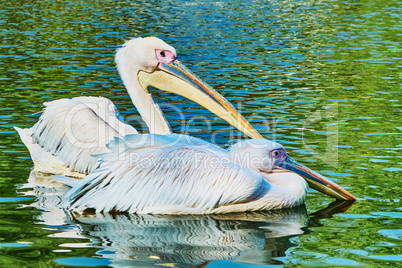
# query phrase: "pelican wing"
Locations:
[[105, 109], [75, 129], [152, 173]]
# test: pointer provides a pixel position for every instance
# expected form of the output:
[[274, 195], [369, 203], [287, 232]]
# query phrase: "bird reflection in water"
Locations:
[[130, 239]]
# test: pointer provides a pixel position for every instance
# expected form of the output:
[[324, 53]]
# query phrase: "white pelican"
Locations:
[[179, 174], [70, 131]]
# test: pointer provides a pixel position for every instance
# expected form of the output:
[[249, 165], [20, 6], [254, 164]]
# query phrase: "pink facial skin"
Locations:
[[164, 55]]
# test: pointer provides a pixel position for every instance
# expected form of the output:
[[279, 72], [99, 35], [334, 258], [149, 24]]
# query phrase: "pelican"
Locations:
[[179, 174], [71, 131]]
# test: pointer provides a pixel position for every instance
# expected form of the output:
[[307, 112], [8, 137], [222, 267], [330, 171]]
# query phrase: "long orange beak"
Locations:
[[315, 180], [175, 78]]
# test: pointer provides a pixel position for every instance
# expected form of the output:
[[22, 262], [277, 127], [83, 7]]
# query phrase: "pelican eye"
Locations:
[[162, 53], [278, 154]]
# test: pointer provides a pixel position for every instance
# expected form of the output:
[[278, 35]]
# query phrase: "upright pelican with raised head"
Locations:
[[71, 131]]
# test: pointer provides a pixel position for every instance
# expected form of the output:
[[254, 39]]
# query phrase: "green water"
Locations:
[[321, 77]]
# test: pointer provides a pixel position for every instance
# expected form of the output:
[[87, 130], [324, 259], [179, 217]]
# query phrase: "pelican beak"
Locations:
[[175, 78], [315, 180]]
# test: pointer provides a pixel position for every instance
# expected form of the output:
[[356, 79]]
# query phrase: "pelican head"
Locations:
[[267, 157], [144, 54], [145, 62]]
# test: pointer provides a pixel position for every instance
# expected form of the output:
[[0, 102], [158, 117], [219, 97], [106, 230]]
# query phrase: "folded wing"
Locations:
[[152, 173], [74, 129]]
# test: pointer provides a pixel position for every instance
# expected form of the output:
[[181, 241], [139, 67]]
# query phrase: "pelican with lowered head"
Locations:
[[179, 174]]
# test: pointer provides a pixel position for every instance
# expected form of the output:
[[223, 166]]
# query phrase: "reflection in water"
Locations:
[[191, 239], [49, 197], [127, 239]]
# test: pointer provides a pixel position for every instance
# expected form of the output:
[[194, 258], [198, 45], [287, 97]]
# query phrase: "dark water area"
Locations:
[[320, 77]]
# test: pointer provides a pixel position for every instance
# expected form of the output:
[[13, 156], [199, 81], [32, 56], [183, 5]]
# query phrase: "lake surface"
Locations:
[[321, 77]]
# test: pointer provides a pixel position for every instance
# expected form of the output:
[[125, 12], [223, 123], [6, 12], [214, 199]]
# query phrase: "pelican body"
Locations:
[[84, 135], [179, 174]]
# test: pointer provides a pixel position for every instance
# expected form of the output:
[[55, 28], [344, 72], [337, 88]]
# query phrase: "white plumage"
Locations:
[[70, 131], [74, 131], [178, 174]]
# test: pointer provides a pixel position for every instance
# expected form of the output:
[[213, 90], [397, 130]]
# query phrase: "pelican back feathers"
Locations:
[[165, 174], [73, 130]]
